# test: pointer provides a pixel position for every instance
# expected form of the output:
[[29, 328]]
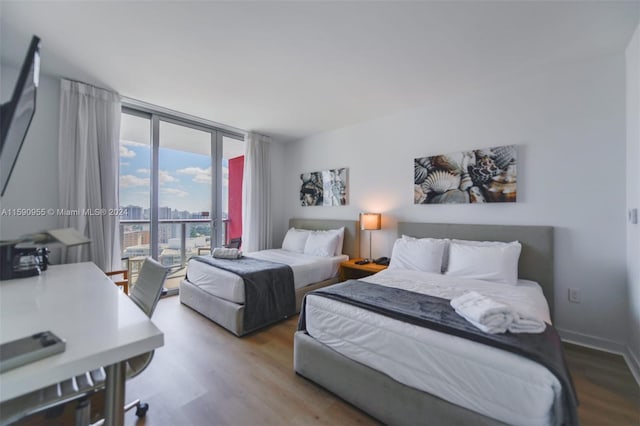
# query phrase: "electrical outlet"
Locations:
[[574, 295]]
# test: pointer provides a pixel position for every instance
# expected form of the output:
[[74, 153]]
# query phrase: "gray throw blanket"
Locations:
[[269, 293], [437, 314]]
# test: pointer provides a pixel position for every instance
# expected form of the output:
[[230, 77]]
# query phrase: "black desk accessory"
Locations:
[[382, 261], [28, 256]]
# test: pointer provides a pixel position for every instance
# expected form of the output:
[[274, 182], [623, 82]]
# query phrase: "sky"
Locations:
[[185, 178]]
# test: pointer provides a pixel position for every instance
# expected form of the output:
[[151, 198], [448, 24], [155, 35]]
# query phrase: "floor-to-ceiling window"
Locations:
[[180, 188], [185, 192], [135, 186]]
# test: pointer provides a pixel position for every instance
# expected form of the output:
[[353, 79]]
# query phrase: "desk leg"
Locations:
[[114, 394]]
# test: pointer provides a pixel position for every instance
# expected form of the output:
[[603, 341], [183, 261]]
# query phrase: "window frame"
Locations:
[[217, 131]]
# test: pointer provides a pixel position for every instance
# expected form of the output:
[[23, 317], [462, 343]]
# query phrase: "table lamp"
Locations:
[[370, 222]]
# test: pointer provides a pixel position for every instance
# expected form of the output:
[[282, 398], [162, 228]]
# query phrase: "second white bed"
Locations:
[[487, 380], [229, 286]]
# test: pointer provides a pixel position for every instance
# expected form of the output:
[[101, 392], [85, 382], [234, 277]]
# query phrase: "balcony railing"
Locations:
[[178, 239]]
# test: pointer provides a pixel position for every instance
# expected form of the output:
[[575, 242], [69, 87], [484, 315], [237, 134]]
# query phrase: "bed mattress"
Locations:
[[496, 383], [229, 286]]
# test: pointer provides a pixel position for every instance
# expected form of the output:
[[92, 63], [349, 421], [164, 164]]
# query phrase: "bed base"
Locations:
[[374, 392], [228, 314]]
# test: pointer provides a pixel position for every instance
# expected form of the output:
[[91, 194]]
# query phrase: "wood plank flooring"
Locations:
[[206, 376], [606, 389]]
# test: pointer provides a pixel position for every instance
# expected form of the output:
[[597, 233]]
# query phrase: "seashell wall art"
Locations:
[[325, 188], [479, 176]]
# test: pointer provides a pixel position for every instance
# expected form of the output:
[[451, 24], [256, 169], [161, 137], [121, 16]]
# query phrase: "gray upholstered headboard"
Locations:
[[536, 259], [351, 245]]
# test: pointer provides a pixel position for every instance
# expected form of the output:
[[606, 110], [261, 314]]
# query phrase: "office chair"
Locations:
[[145, 294]]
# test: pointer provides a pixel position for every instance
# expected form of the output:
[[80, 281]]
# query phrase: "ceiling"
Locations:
[[292, 69]]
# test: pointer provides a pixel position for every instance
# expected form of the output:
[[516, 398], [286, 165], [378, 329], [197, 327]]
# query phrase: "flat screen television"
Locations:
[[16, 114]]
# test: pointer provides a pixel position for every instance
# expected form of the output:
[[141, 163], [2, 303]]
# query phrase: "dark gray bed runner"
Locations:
[[269, 293], [437, 314]]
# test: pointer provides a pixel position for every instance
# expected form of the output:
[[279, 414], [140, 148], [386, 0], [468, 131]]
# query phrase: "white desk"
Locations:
[[101, 325]]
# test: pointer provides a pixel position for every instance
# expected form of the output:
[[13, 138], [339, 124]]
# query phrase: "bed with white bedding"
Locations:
[[407, 374], [307, 270], [220, 295]]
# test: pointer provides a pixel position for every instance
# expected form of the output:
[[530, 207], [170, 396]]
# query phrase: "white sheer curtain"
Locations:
[[256, 210], [88, 160]]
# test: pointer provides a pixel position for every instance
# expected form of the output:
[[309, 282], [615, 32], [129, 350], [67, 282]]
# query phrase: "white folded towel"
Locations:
[[483, 312], [523, 323], [226, 253]]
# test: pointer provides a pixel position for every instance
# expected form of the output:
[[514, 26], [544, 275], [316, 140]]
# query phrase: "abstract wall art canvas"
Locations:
[[487, 175], [325, 188]]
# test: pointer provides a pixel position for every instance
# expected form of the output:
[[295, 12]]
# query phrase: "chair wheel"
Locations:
[[142, 409]]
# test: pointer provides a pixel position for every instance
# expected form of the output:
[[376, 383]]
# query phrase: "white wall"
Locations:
[[569, 121], [34, 181], [633, 194]]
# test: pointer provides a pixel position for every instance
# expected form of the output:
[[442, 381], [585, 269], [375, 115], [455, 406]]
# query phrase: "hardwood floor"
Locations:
[[206, 376], [607, 392]]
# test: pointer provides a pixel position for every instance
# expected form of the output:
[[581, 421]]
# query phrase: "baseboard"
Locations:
[[593, 342], [605, 345], [633, 363]]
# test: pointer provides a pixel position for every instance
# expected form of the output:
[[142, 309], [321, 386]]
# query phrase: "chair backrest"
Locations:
[[148, 288], [234, 243]]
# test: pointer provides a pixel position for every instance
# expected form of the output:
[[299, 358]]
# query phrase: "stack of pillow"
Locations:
[[483, 260], [315, 243]]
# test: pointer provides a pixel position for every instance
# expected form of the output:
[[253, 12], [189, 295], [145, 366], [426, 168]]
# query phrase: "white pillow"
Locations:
[[485, 260], [445, 256], [340, 244], [423, 254], [321, 243], [340, 233], [295, 240]]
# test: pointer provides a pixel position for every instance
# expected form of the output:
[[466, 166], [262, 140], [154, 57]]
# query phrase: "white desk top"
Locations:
[[80, 304]]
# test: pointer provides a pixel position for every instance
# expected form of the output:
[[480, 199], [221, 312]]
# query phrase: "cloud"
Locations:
[[203, 178], [132, 143], [165, 177], [127, 181], [199, 175], [177, 192], [126, 153], [125, 163]]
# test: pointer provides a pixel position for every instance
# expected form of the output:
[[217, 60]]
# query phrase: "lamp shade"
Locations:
[[370, 221]]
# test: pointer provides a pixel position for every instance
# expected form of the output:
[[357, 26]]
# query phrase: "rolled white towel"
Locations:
[[523, 323], [483, 312], [226, 253]]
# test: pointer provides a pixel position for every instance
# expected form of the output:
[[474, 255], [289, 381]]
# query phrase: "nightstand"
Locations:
[[350, 271]]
